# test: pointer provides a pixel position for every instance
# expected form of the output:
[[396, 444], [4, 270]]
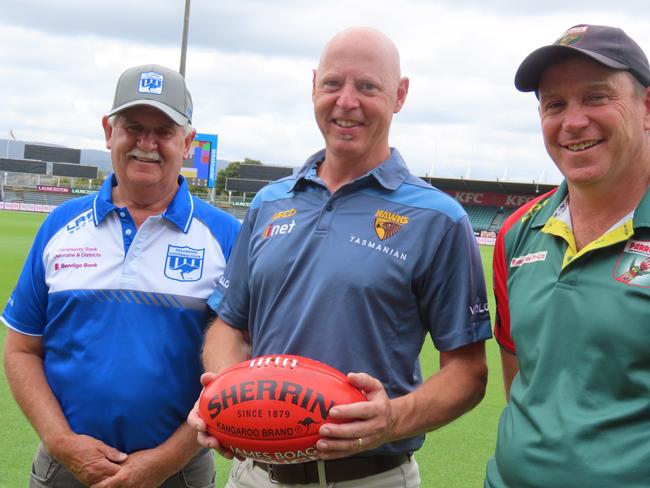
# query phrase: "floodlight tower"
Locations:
[[186, 24]]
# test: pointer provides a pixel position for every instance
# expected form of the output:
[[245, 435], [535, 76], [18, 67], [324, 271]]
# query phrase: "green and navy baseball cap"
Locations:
[[609, 46], [156, 86]]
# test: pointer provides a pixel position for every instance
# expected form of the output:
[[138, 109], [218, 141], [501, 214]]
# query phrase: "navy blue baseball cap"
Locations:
[[609, 46]]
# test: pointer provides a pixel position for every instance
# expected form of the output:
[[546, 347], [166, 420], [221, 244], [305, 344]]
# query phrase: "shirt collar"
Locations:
[[179, 211], [550, 205], [181, 208], [390, 173], [103, 203], [641, 214]]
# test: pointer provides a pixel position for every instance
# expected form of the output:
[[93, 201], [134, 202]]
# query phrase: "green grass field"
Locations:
[[452, 457]]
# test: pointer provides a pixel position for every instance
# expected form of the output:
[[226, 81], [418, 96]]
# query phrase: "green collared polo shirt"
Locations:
[[579, 323]]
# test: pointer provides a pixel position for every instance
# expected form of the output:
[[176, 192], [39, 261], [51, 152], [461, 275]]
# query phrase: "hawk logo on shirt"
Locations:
[[184, 263], [388, 224], [633, 267]]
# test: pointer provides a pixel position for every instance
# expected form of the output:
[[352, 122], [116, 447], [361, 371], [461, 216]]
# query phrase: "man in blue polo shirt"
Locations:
[[353, 261], [107, 319]]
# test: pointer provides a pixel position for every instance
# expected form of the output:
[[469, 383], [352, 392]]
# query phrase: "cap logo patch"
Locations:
[[388, 224], [572, 36], [151, 82]]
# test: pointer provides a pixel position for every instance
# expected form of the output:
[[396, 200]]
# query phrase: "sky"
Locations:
[[249, 70]]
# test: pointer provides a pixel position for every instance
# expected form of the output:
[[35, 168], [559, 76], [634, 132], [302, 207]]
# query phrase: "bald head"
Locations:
[[356, 89], [364, 42]]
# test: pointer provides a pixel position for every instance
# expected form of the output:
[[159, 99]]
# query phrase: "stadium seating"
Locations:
[[25, 195], [481, 218], [238, 212]]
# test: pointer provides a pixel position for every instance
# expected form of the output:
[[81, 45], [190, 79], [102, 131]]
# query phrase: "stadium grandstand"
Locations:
[[47, 176], [44, 177], [488, 203]]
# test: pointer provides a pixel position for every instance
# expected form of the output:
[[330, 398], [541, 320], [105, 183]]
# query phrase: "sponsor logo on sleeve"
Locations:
[[478, 308], [76, 224], [528, 259]]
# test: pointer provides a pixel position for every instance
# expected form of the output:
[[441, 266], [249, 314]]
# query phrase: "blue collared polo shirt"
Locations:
[[358, 278], [122, 311]]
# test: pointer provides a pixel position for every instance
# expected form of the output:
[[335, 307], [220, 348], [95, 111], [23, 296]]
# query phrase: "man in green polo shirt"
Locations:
[[572, 277]]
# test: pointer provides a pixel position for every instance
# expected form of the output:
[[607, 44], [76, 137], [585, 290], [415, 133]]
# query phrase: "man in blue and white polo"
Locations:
[[106, 323]]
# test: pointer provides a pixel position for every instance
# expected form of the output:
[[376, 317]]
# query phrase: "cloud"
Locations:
[[249, 70]]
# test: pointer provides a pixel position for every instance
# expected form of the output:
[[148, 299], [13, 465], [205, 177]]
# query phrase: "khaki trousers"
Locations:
[[47, 472]]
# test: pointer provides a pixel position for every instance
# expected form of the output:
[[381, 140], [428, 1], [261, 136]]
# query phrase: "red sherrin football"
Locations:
[[271, 407]]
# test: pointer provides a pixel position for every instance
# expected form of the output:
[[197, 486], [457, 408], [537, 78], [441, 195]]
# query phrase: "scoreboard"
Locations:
[[202, 163]]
